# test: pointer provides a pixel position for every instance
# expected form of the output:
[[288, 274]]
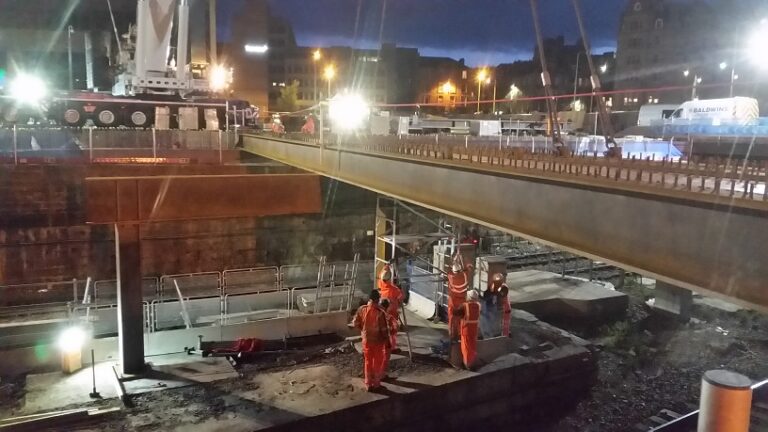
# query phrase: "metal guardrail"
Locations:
[[227, 295], [741, 180], [20, 143]]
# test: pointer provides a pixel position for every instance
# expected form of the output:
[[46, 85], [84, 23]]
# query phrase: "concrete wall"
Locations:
[[43, 236]]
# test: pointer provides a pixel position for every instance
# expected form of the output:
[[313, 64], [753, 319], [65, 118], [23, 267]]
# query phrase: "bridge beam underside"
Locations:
[[709, 248]]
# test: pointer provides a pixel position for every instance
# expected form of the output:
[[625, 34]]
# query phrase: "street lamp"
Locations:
[[482, 77], [316, 56], [604, 68], [329, 73], [696, 82]]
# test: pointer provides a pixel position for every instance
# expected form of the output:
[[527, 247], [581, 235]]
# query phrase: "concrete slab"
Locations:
[[54, 390], [554, 298], [179, 370]]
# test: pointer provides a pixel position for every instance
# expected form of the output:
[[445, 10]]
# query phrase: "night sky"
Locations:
[[481, 31]]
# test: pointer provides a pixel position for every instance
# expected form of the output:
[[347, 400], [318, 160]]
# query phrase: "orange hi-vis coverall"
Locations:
[[390, 291], [392, 326], [371, 320], [506, 316], [457, 295], [470, 315]]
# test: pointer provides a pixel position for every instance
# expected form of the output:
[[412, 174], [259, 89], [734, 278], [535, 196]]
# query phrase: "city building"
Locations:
[[443, 83], [248, 50], [693, 45]]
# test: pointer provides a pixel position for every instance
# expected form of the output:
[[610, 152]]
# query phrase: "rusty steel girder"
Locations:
[[702, 243], [168, 198]]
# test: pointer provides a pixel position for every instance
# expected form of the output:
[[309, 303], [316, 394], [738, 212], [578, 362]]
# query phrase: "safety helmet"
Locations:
[[456, 267], [498, 279], [472, 295], [386, 275]]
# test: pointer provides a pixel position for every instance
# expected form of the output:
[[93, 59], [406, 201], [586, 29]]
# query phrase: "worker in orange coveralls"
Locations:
[[458, 282], [391, 292], [392, 325], [469, 314], [371, 320]]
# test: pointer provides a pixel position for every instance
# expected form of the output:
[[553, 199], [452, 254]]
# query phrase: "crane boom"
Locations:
[[602, 108], [545, 79]]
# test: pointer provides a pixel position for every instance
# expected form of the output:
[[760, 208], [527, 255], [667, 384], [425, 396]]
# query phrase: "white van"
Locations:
[[654, 114], [737, 110]]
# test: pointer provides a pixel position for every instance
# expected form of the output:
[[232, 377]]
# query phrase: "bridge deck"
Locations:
[[699, 226]]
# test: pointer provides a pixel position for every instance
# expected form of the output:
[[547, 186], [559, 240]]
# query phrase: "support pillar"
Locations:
[[130, 317], [726, 402], [673, 300]]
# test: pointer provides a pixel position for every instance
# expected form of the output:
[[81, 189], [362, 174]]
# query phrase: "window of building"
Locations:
[[638, 7], [659, 24]]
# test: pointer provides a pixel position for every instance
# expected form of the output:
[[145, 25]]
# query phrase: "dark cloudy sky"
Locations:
[[481, 31]]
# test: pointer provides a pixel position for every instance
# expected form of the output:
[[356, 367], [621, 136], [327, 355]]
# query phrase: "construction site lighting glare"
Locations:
[[28, 89], [220, 78], [447, 87], [71, 340], [603, 68], [316, 55], [482, 75], [348, 111], [329, 73], [256, 49], [757, 44]]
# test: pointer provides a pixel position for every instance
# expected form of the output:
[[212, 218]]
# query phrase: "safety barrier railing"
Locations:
[[202, 284], [105, 291], [740, 179], [250, 280], [206, 298], [97, 144]]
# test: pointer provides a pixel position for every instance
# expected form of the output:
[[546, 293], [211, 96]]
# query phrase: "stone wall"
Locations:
[[43, 236]]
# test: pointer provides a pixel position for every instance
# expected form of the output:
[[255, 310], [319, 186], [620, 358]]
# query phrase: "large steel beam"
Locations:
[[167, 198], [708, 247]]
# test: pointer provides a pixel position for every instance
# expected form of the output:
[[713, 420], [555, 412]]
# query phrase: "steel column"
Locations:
[[130, 319]]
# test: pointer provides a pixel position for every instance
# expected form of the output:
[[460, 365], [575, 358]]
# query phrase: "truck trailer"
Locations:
[[161, 74]]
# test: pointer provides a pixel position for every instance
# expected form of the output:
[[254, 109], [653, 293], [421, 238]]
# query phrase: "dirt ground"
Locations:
[[648, 363]]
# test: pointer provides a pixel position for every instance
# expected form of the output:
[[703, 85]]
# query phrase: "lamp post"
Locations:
[[329, 73], [696, 82], [576, 81], [316, 56], [70, 30], [482, 76]]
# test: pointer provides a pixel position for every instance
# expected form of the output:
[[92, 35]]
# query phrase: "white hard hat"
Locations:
[[472, 295], [456, 267], [386, 274]]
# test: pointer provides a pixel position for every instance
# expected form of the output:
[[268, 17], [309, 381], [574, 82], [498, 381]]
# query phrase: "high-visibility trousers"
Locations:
[[374, 356], [469, 343], [454, 323]]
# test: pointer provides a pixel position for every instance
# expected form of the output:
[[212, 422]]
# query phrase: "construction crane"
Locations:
[[167, 76], [603, 116]]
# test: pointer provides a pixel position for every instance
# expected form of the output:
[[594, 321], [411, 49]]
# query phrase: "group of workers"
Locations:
[[469, 318], [378, 322]]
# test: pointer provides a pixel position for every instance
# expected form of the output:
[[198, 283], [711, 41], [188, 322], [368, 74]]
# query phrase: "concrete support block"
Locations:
[[673, 300], [726, 402], [130, 317]]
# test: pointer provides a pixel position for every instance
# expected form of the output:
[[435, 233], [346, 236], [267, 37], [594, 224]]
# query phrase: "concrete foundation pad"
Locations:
[[536, 368], [550, 296]]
